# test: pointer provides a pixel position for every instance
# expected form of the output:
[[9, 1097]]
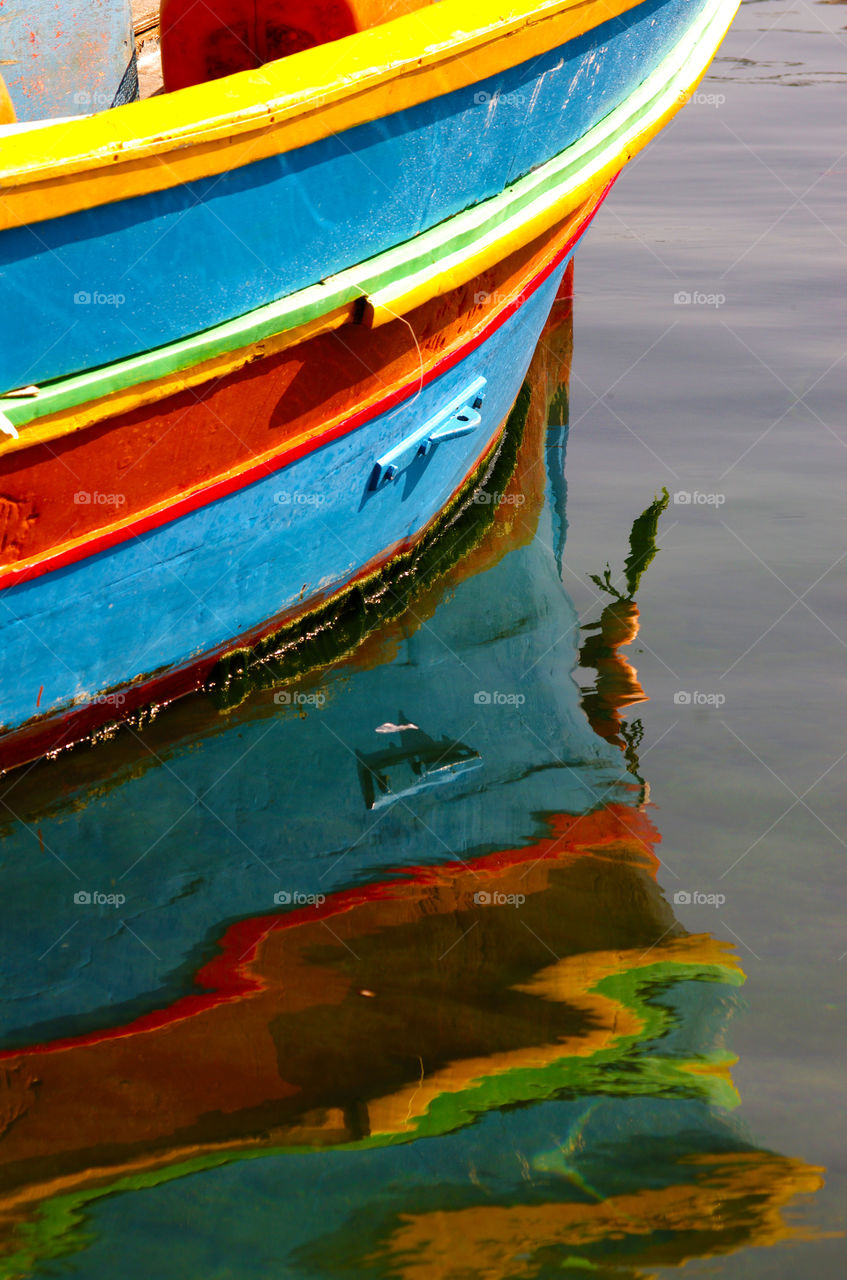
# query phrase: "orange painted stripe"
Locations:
[[205, 494]]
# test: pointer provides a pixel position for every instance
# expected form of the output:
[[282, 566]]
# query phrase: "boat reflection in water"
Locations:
[[392, 975]]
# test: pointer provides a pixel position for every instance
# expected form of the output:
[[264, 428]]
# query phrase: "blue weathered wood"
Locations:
[[158, 601], [288, 778], [67, 57], [182, 260]]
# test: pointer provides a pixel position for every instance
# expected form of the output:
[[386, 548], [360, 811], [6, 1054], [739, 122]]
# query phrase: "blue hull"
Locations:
[[162, 600], [176, 262], [215, 819], [221, 812]]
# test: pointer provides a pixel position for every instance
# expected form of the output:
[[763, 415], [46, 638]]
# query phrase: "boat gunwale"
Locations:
[[89, 396], [258, 468], [632, 124], [299, 88]]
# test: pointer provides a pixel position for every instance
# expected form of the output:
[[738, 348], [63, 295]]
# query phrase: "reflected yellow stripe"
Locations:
[[572, 981], [731, 1201]]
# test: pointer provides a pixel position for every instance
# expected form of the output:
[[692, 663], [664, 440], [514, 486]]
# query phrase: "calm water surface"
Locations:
[[573, 1001]]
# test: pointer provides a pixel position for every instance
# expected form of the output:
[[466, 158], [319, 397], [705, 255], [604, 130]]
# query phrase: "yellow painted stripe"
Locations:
[[574, 205], [213, 128], [387, 304], [457, 270]]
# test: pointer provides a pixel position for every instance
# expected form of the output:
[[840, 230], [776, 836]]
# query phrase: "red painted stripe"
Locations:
[[60, 730], [228, 977], [206, 494]]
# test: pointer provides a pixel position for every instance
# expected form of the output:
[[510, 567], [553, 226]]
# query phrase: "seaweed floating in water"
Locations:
[[616, 685]]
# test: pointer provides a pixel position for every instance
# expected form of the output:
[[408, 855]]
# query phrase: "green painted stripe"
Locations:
[[402, 268], [629, 1068], [596, 150]]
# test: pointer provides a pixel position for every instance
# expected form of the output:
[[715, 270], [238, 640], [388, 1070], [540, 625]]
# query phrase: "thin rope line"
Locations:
[[409, 326]]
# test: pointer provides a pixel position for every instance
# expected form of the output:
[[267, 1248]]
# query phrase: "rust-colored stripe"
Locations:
[[134, 468]]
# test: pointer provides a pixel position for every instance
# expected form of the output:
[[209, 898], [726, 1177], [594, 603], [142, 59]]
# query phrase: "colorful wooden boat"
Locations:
[[282, 756], [488, 965], [390, 211]]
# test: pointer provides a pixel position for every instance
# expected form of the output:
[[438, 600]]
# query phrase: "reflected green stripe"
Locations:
[[628, 1069]]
